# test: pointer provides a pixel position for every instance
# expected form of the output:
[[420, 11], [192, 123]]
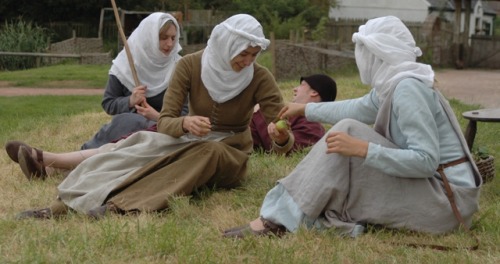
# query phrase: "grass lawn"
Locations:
[[189, 232]]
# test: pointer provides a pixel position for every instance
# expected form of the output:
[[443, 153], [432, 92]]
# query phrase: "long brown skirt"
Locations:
[[202, 163]]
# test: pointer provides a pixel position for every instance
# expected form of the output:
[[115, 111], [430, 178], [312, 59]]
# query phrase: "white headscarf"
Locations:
[[386, 53], [227, 40], [153, 67]]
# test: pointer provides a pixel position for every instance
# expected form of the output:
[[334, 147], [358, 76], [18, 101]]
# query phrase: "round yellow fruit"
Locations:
[[281, 125]]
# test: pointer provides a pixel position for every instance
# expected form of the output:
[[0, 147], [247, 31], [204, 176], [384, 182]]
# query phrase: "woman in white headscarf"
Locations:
[[155, 48], [389, 175], [208, 147]]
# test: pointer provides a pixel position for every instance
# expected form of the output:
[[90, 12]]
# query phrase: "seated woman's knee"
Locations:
[[347, 125]]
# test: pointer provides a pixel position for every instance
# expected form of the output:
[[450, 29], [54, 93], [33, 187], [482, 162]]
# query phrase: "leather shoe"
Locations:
[[12, 148], [31, 168], [101, 211], [44, 213], [270, 229]]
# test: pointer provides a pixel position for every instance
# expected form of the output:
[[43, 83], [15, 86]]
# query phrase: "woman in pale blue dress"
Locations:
[[386, 174]]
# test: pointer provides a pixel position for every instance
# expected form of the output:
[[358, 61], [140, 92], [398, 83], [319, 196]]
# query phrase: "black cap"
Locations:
[[323, 84]]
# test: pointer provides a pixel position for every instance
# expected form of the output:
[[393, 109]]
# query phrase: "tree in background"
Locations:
[[21, 36], [291, 12], [281, 16], [45, 11]]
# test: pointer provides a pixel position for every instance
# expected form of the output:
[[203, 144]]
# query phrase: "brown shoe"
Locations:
[[270, 229], [103, 210], [44, 213], [32, 169], [12, 148]]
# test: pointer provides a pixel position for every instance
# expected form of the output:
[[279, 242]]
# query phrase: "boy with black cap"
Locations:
[[301, 133]]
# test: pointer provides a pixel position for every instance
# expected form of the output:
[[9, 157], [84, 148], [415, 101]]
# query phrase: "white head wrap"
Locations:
[[153, 67], [386, 53], [227, 40]]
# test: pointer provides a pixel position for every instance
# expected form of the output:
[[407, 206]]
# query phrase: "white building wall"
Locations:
[[406, 10], [477, 20]]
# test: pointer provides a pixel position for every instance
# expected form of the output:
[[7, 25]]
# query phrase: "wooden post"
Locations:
[[456, 35], [272, 48], [466, 35], [101, 24], [184, 38]]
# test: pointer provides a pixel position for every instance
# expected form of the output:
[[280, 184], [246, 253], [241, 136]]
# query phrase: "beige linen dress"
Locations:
[[146, 182]]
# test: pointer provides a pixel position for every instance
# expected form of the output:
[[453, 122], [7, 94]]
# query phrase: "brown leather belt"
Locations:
[[452, 163]]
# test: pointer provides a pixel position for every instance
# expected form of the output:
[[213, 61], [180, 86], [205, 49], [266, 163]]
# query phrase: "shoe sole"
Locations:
[[26, 164]]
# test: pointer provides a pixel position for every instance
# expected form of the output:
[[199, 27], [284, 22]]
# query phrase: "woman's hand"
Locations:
[[138, 96], [344, 144], [197, 125], [291, 110], [147, 111], [277, 135]]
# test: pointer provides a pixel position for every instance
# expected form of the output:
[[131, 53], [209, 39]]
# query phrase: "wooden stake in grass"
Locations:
[[124, 40], [125, 44]]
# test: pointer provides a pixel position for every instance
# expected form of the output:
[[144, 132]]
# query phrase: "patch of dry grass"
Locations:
[[189, 232]]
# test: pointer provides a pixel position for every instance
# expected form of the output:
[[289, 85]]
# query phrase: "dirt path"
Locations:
[[21, 91], [471, 86]]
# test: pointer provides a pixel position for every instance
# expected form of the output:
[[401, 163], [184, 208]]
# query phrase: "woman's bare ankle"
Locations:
[[257, 224]]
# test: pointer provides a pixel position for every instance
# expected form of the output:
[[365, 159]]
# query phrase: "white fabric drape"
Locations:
[[227, 40], [386, 53], [153, 67]]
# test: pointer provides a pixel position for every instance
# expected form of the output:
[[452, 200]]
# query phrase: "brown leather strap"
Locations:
[[454, 208], [452, 163], [451, 198], [39, 159]]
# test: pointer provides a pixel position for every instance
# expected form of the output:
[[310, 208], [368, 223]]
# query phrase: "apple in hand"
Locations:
[[281, 125]]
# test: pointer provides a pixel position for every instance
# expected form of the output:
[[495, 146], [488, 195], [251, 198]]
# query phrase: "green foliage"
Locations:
[[265, 59], [46, 11], [319, 33], [21, 36], [497, 27], [282, 26], [282, 16], [316, 11], [480, 152], [427, 55], [279, 16]]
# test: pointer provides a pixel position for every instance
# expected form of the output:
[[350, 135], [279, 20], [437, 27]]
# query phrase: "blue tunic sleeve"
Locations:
[[363, 109], [414, 129]]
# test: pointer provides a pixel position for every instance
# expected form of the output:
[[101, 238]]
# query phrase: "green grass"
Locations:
[[24, 114], [58, 76], [71, 75], [190, 231]]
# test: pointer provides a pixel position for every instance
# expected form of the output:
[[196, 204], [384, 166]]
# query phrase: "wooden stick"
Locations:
[[124, 40]]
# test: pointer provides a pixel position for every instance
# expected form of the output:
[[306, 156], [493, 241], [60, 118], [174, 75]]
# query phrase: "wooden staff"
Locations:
[[124, 40]]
